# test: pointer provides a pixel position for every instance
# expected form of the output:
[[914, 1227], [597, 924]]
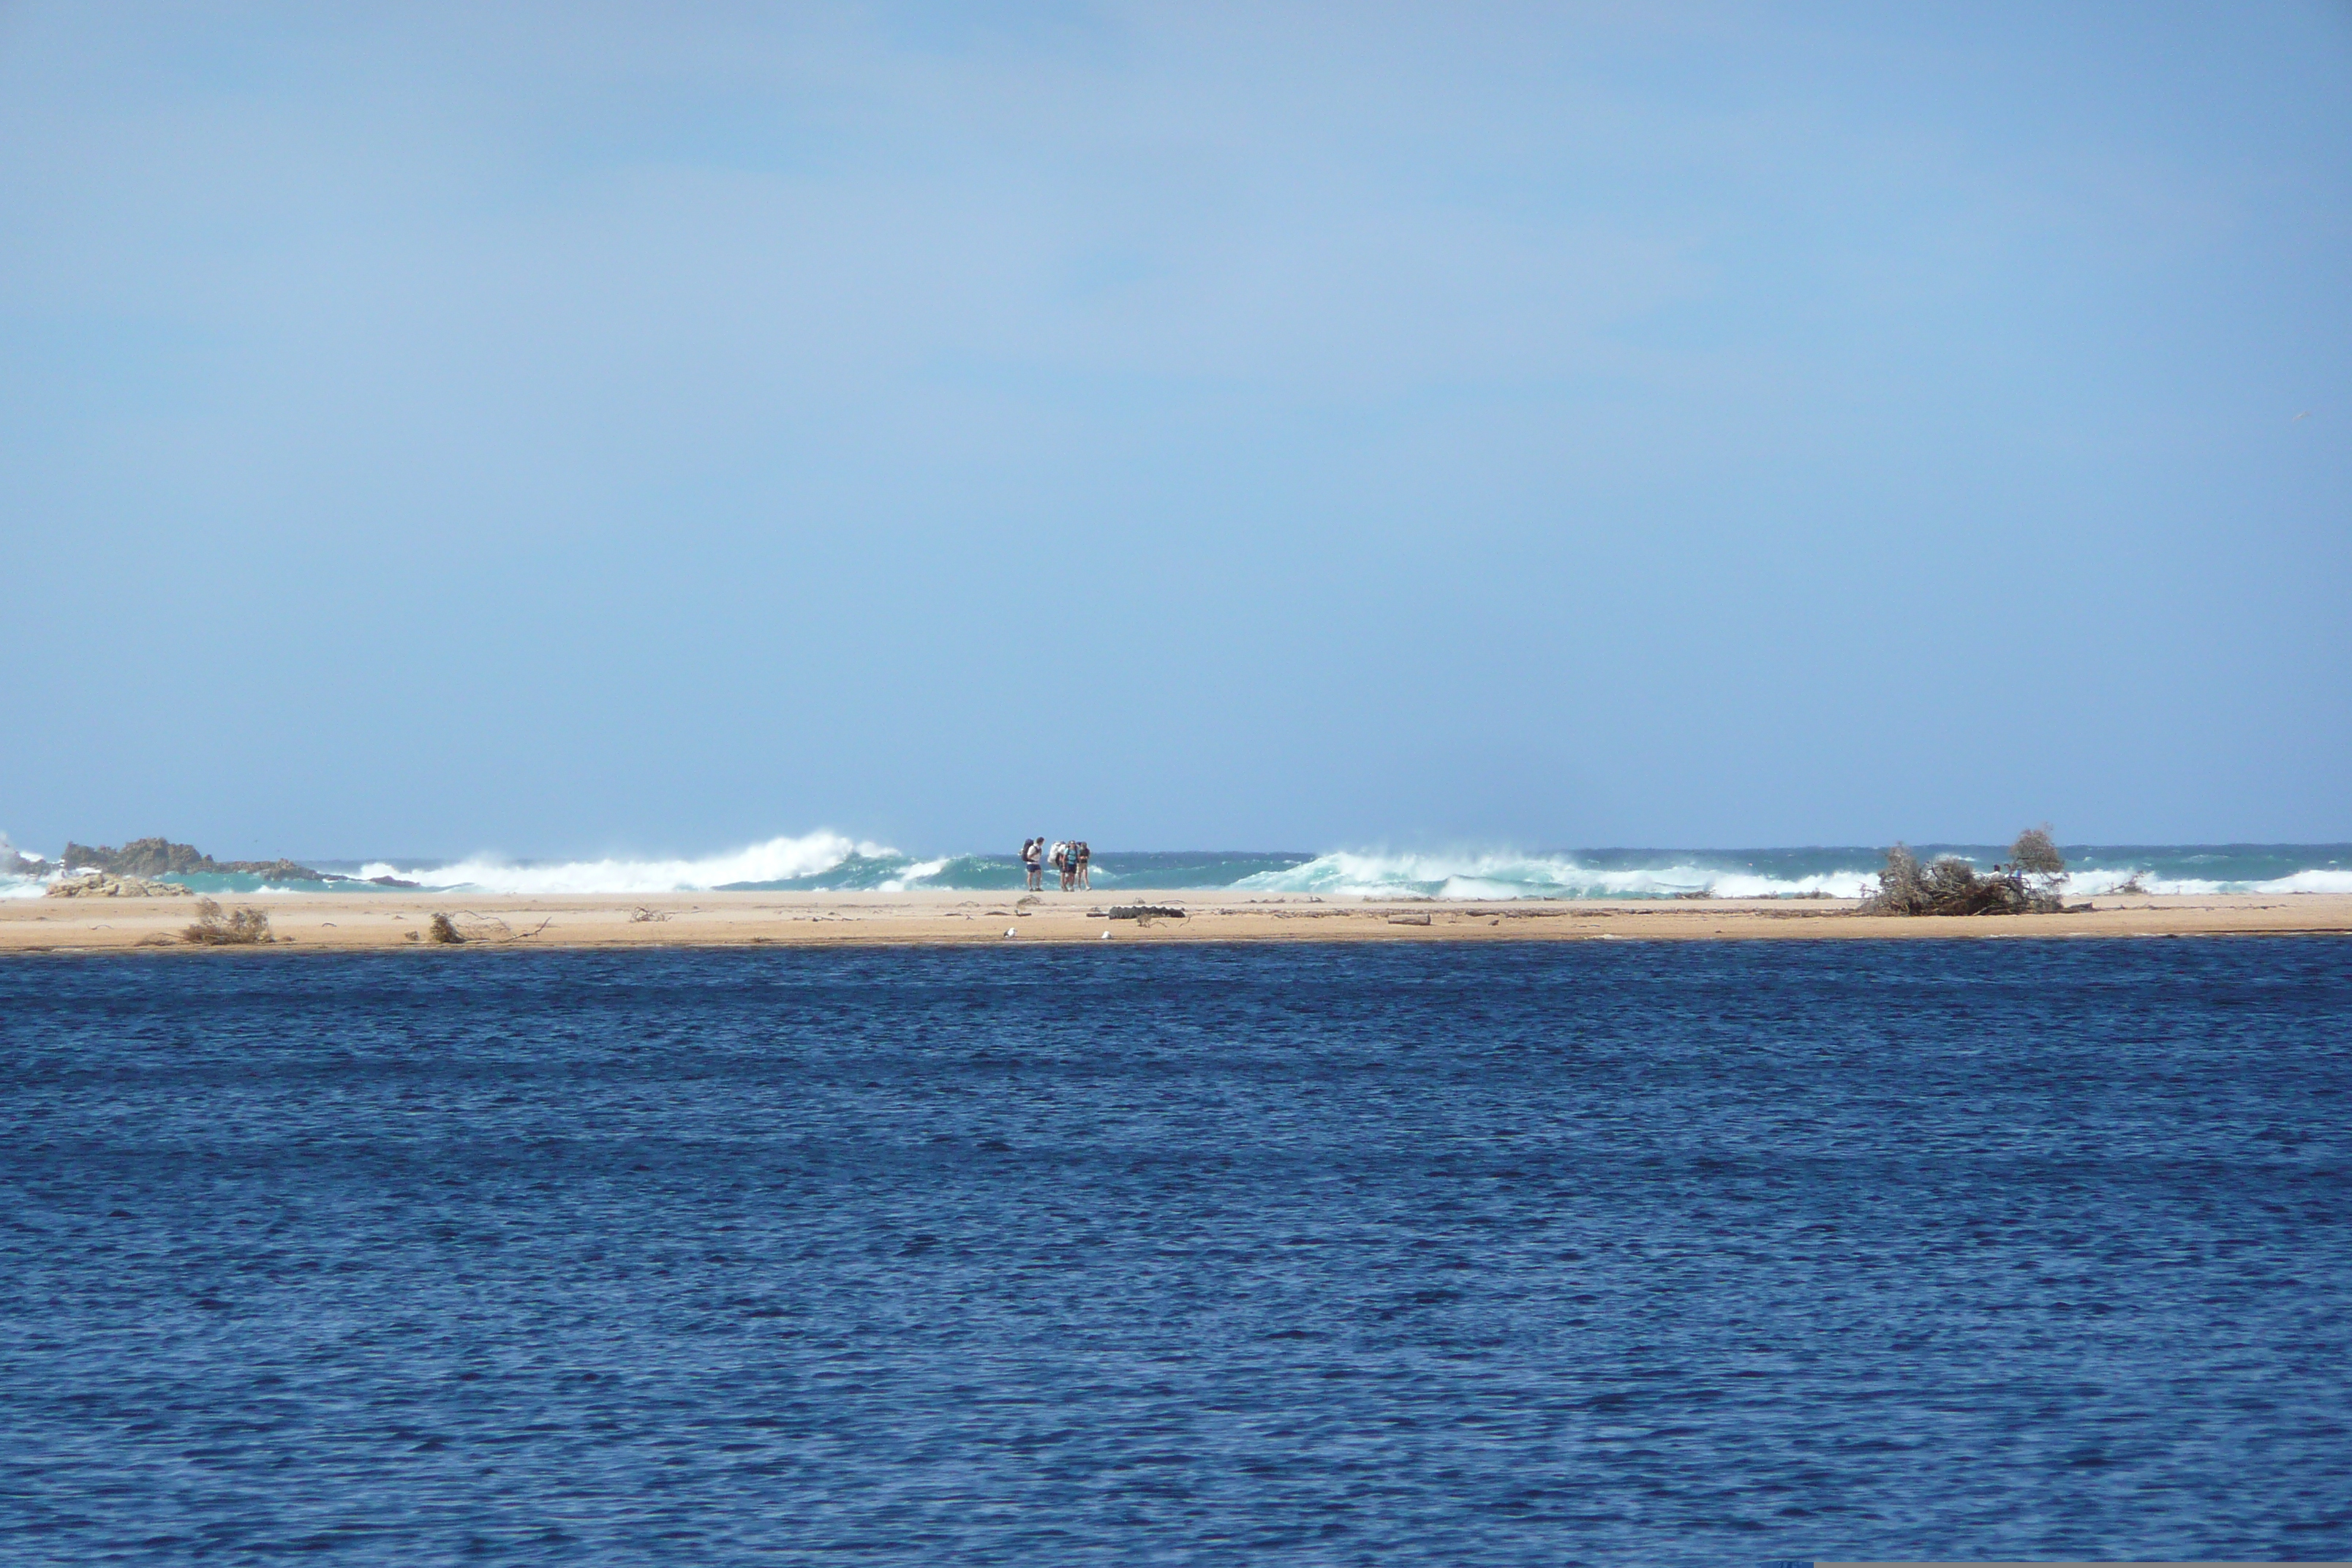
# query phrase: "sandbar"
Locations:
[[316, 923]]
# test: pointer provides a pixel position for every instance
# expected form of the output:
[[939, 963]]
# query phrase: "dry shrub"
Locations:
[[2027, 884], [443, 929], [248, 927], [1899, 892], [2035, 855]]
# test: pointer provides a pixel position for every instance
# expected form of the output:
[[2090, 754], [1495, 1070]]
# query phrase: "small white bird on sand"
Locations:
[[1012, 930]]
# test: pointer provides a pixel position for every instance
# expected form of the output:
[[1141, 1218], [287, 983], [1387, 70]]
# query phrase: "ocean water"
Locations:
[[1508, 1254], [831, 862]]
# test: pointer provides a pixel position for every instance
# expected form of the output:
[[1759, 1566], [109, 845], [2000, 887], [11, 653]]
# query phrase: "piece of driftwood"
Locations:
[[1408, 920], [1145, 913], [469, 927]]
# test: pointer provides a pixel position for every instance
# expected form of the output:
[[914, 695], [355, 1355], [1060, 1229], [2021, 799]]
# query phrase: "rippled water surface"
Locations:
[[1406, 1254]]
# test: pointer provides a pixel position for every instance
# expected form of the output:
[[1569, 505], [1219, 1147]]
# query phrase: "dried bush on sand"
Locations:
[[2027, 884], [248, 927], [2035, 855], [1899, 892], [443, 929]]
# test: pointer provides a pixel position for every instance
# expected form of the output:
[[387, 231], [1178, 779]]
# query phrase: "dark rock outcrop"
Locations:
[[152, 857]]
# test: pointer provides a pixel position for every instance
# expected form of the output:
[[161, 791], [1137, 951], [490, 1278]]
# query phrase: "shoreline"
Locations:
[[398, 921]]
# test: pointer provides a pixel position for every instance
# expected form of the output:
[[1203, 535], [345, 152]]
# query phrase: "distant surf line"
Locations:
[[826, 861]]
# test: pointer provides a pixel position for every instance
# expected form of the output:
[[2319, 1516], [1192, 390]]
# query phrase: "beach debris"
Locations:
[[466, 926], [642, 915], [106, 884], [2027, 883], [1146, 912], [248, 927], [1408, 920]]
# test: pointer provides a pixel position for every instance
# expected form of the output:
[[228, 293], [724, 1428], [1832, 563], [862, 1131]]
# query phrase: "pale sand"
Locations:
[[327, 922]]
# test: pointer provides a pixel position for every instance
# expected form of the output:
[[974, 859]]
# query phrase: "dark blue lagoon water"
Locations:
[[1437, 1254]]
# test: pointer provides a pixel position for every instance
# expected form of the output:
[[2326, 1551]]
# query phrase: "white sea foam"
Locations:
[[907, 877], [2318, 879], [17, 881], [827, 859], [1494, 875], [776, 860]]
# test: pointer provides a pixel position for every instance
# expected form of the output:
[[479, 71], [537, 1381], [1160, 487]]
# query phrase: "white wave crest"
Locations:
[[776, 860], [908, 876], [2094, 884], [1495, 876], [18, 879]]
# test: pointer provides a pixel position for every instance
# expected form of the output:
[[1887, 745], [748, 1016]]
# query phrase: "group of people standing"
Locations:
[[1068, 856]]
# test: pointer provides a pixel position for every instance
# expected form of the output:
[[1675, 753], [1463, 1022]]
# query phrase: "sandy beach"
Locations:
[[330, 922]]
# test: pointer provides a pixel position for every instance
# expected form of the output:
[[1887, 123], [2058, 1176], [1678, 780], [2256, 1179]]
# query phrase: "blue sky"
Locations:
[[555, 430]]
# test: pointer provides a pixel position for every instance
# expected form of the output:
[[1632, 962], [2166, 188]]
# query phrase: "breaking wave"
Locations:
[[1511, 876], [2317, 879], [17, 878], [1842, 873], [777, 863], [826, 861]]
